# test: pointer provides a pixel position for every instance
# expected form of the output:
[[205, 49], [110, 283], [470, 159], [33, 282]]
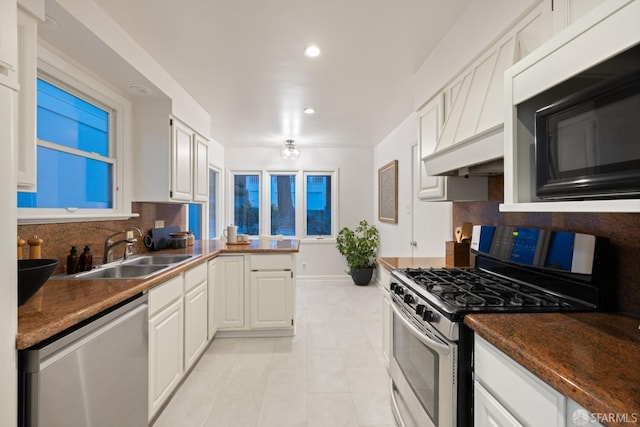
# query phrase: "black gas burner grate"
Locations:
[[471, 288]]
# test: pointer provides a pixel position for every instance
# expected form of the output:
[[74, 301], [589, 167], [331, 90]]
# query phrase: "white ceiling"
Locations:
[[242, 60]]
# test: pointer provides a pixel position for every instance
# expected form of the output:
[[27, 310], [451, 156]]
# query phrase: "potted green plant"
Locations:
[[359, 247]]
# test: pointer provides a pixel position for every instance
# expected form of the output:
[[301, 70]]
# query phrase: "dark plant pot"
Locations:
[[361, 276]]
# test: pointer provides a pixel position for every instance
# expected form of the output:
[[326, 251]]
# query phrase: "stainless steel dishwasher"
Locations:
[[93, 376]]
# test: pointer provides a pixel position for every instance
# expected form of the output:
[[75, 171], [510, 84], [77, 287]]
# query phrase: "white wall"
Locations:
[[434, 216], [482, 22], [317, 258]]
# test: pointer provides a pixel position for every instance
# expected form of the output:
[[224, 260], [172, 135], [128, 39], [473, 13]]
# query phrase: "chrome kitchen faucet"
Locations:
[[129, 240]]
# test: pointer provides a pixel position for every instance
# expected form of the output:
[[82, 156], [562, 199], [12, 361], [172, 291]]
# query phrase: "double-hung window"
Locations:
[[80, 127], [75, 157], [246, 202], [320, 203], [283, 204], [294, 204]]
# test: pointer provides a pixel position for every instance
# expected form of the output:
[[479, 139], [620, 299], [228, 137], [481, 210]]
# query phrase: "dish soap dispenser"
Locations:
[[86, 259], [72, 261]]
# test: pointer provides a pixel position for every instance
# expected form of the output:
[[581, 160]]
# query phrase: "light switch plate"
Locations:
[[159, 223]]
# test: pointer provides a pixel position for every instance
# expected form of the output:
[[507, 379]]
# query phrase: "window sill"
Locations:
[[54, 219], [319, 240]]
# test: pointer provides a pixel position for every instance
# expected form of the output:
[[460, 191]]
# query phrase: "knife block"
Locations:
[[456, 254]]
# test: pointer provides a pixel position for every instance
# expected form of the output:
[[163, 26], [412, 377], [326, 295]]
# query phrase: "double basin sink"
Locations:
[[138, 267]]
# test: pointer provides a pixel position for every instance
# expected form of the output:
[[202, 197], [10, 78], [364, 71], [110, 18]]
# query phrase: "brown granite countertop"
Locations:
[[392, 263], [61, 304], [594, 358]]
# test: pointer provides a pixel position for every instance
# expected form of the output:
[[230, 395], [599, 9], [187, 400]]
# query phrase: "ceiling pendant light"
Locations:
[[289, 150]]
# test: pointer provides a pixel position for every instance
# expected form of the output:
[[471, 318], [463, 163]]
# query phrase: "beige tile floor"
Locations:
[[330, 374]]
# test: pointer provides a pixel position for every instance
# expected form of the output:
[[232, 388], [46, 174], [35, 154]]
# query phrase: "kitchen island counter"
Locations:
[[593, 358], [63, 303]]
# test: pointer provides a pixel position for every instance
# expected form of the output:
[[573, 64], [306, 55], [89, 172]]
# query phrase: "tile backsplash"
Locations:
[[58, 238], [622, 229]]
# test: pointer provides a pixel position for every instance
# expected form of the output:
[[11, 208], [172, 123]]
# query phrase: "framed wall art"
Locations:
[[388, 193]]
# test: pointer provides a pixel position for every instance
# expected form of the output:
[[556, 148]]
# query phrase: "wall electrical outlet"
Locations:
[[304, 265], [159, 223]]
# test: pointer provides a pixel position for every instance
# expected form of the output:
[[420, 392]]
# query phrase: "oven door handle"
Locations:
[[442, 349]]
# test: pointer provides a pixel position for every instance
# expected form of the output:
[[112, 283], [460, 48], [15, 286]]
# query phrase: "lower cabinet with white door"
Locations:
[[166, 341], [255, 295], [508, 395], [178, 333], [195, 314]]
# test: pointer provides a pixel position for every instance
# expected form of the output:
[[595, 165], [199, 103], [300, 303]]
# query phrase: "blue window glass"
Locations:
[[67, 120], [66, 180], [75, 168], [213, 189], [318, 205], [195, 220], [283, 205], [246, 203]]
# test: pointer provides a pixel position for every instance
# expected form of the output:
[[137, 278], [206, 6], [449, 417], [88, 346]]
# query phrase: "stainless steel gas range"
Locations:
[[517, 270]]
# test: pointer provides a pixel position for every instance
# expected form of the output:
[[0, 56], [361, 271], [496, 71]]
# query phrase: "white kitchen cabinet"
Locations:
[[488, 412], [508, 395], [439, 188], [528, 399], [230, 292], [181, 161], [200, 169], [271, 291], [384, 280], [166, 341], [212, 310], [25, 119], [255, 295], [8, 41], [173, 174], [271, 299], [195, 314]]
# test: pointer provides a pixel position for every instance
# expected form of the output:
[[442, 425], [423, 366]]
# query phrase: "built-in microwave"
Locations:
[[588, 144]]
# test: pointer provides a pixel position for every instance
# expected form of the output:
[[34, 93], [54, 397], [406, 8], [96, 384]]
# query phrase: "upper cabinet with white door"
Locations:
[[171, 159], [471, 140], [8, 42], [25, 120]]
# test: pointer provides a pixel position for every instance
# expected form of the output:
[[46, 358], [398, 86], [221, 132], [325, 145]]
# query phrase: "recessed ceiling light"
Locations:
[[309, 110], [312, 51]]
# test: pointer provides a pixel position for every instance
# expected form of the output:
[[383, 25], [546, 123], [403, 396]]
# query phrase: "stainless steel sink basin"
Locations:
[[164, 259], [122, 271], [138, 267]]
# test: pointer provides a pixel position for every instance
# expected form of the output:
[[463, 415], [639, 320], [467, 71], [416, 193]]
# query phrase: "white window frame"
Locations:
[[219, 199], [266, 220], [334, 203], [80, 83], [230, 196]]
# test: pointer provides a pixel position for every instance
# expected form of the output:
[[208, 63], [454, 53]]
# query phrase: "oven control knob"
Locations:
[[427, 316], [392, 286], [420, 309], [408, 298], [398, 290]]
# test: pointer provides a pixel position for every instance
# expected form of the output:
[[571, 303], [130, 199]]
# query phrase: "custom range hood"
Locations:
[[472, 137]]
